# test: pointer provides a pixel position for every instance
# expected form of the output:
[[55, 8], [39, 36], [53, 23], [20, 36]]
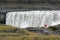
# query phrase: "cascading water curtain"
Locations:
[[33, 18]]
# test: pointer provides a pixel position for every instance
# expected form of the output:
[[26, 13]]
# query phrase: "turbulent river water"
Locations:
[[33, 18]]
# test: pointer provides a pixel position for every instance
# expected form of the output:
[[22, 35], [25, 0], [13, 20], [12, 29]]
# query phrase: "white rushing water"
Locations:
[[33, 18]]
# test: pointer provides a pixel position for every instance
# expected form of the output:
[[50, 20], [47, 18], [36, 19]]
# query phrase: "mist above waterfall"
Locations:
[[33, 18]]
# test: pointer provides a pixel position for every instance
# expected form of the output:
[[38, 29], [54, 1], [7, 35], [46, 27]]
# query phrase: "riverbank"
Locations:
[[22, 34]]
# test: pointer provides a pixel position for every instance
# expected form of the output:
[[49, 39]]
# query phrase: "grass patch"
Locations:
[[22, 34], [32, 37], [10, 29], [7, 28]]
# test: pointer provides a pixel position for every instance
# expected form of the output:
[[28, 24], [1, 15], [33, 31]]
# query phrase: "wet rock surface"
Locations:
[[39, 30], [44, 30]]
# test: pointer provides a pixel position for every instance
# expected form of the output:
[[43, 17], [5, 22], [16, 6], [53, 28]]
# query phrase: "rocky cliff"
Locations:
[[22, 5]]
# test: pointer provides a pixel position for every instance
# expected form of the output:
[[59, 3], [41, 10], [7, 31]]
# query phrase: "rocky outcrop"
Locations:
[[23, 5]]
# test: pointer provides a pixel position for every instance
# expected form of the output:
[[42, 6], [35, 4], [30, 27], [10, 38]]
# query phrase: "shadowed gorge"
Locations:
[[2, 18]]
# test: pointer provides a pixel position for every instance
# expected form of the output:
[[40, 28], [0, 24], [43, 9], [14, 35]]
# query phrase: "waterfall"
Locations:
[[33, 18]]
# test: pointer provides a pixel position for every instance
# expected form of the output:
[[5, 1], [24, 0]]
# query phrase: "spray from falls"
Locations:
[[32, 18]]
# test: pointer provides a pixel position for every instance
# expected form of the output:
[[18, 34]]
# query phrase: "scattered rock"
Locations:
[[39, 30]]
